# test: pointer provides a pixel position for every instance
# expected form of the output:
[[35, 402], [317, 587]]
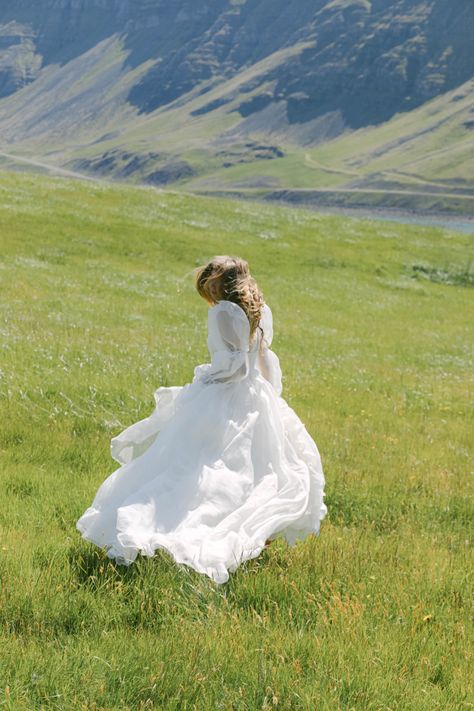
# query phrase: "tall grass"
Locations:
[[97, 309]]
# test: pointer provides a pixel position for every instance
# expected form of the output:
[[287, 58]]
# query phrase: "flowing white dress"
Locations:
[[221, 465]]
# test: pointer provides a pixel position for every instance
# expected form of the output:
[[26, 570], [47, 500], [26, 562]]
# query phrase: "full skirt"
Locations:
[[212, 474]]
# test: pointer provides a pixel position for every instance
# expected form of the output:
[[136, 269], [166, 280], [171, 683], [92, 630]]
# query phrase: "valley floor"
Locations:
[[458, 212]]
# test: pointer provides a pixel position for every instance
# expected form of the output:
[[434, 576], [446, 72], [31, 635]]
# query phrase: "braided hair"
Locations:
[[229, 278]]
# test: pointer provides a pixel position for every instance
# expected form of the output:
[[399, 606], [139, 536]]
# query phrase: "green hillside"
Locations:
[[428, 149], [370, 102], [420, 159], [372, 327]]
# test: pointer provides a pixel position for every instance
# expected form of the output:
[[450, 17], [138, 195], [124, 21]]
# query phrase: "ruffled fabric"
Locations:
[[136, 439], [221, 465]]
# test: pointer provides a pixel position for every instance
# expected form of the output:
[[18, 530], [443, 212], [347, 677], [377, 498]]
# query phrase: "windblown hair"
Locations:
[[228, 278]]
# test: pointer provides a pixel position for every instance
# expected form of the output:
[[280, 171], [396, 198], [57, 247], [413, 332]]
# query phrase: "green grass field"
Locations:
[[372, 327]]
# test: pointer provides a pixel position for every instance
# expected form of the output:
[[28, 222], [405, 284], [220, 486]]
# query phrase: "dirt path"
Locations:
[[52, 168], [315, 164], [81, 176], [413, 179], [389, 173]]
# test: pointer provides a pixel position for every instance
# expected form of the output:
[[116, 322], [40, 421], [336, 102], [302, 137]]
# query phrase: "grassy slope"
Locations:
[[97, 310], [421, 149], [78, 112], [416, 142]]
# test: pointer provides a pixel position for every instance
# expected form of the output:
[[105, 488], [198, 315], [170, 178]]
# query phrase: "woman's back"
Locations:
[[220, 466]]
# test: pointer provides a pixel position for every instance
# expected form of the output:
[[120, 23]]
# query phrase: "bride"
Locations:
[[222, 465]]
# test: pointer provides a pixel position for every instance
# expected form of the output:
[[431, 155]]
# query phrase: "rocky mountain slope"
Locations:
[[140, 88]]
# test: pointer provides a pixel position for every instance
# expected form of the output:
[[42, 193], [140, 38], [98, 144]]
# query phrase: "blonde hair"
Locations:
[[228, 278]]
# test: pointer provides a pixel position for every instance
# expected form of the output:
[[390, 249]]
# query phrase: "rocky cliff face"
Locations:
[[365, 59]]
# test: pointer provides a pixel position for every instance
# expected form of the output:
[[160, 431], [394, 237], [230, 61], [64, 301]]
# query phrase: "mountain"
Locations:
[[242, 93]]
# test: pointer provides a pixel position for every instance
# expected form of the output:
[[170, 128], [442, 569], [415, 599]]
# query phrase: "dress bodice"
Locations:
[[234, 356]]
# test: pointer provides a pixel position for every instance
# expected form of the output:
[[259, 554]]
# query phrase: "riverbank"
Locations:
[[457, 223]]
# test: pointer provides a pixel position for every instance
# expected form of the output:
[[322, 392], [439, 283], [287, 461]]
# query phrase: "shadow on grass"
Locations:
[[90, 564], [91, 568]]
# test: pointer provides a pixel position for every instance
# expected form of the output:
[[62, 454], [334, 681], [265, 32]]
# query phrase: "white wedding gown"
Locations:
[[221, 465]]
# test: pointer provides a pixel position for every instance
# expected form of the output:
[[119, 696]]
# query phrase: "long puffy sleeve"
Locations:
[[228, 341], [268, 362]]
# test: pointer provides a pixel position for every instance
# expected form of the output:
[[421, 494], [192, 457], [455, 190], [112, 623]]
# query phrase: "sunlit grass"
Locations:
[[97, 310]]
